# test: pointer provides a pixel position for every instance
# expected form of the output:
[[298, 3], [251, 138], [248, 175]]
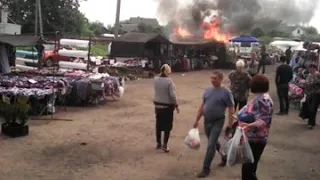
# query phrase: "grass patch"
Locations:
[[99, 49]]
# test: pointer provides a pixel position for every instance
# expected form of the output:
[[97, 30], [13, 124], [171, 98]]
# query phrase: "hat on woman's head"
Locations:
[[165, 70]]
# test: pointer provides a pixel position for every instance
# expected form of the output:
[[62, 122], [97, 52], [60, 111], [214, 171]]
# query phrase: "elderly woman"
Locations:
[[165, 102], [312, 91], [255, 118], [239, 84]]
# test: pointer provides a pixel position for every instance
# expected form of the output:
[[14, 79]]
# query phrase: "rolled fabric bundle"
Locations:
[[75, 42], [72, 65], [27, 60], [73, 53], [25, 68]]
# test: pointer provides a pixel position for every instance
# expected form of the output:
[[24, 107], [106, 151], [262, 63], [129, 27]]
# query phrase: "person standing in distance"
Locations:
[[288, 55], [263, 59], [253, 65], [284, 75], [215, 101]]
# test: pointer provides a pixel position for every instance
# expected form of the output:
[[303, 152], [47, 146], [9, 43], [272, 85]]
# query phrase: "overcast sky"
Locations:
[[105, 10]]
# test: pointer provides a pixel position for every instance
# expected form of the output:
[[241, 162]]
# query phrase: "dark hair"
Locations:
[[282, 59], [218, 73], [259, 84]]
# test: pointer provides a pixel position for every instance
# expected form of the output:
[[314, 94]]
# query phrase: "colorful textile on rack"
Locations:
[[33, 82], [27, 92], [295, 91]]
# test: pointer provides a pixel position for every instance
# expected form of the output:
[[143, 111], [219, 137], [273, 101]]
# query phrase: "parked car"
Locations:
[[50, 56]]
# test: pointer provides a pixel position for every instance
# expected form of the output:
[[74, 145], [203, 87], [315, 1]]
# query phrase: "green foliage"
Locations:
[[111, 30], [257, 32], [311, 30], [312, 37], [265, 39], [143, 28], [57, 15], [99, 49], [276, 33], [97, 28]]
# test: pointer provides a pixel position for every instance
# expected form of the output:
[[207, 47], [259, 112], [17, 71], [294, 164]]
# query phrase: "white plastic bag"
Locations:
[[237, 151], [192, 140]]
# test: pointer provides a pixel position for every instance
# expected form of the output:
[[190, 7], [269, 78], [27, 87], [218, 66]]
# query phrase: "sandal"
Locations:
[[165, 149]]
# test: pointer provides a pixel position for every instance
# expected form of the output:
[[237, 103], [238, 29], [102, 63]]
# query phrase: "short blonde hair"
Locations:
[[240, 64]]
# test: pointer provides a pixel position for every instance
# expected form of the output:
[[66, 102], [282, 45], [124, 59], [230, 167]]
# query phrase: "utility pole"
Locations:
[[117, 23], [38, 20]]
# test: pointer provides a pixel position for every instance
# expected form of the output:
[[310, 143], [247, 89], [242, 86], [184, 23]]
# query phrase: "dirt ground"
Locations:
[[116, 141]]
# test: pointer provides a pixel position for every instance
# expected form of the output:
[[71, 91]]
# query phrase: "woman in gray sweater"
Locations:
[[165, 102]]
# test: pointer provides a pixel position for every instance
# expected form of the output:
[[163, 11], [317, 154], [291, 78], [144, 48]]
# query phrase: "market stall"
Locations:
[[16, 97], [83, 87], [193, 54], [151, 46]]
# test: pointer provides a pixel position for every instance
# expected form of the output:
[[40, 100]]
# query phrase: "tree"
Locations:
[[143, 28], [257, 32], [275, 33], [265, 39], [311, 30], [158, 30], [57, 15], [97, 28]]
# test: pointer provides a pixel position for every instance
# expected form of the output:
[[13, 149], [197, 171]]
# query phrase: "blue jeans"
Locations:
[[212, 130]]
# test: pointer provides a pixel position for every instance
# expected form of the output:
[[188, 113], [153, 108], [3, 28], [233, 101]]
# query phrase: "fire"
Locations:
[[184, 33], [212, 31]]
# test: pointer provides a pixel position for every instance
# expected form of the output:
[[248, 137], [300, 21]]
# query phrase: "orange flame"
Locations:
[[184, 33], [212, 31]]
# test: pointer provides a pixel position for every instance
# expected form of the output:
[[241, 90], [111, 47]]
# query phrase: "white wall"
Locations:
[[8, 28], [297, 32]]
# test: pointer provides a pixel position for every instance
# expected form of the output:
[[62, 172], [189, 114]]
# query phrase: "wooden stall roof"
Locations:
[[19, 40], [133, 37], [192, 42]]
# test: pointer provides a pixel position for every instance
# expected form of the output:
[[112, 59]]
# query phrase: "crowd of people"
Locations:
[[303, 85], [254, 116]]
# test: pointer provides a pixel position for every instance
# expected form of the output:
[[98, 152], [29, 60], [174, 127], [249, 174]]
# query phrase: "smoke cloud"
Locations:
[[239, 16]]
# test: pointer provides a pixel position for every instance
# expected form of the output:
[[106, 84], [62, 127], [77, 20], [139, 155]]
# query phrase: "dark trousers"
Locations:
[[164, 120], [282, 91], [249, 169], [263, 66], [313, 102], [212, 130], [288, 60], [239, 104]]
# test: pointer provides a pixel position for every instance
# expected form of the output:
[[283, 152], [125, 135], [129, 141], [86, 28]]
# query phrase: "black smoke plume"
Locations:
[[239, 16]]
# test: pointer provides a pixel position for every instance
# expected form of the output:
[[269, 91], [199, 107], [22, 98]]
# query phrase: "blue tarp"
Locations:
[[245, 39]]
